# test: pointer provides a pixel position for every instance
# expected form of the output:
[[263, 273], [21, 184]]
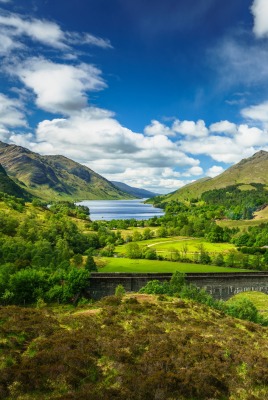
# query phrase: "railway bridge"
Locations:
[[220, 286]]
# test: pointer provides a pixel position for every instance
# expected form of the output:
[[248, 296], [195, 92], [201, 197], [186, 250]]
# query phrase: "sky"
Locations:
[[155, 94]]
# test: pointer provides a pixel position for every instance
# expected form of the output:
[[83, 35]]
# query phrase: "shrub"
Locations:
[[120, 291]]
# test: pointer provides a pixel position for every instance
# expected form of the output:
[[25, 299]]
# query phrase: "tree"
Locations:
[[219, 260], [90, 264], [244, 309], [133, 250]]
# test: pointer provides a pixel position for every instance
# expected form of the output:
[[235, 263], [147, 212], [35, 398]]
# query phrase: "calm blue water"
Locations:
[[120, 209]]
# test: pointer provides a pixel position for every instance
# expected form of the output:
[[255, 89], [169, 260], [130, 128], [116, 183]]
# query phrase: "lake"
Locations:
[[120, 209]]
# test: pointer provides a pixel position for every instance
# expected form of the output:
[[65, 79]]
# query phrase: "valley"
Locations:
[[50, 255]]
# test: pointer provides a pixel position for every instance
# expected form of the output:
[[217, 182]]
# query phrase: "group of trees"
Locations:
[[43, 254]]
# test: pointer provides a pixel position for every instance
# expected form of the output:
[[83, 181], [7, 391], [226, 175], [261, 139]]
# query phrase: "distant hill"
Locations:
[[55, 177], [249, 170], [8, 186], [133, 191]]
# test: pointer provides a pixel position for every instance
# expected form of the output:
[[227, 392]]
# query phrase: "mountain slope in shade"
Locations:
[[8, 186], [249, 170], [133, 191], [55, 177]]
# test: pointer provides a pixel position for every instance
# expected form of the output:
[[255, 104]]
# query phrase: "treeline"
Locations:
[[238, 204]]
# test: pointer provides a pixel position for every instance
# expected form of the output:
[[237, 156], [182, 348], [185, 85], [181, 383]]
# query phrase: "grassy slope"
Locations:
[[9, 187], [134, 349], [134, 266]]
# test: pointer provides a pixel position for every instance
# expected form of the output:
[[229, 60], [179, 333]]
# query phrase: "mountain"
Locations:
[[8, 186], [133, 191], [249, 170], [55, 177]]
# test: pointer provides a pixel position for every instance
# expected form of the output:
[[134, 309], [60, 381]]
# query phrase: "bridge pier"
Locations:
[[221, 285]]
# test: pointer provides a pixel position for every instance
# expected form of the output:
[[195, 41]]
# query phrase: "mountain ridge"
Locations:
[[55, 177], [134, 191], [249, 170]]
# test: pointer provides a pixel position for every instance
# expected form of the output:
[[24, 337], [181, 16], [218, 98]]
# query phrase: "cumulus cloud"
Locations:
[[223, 127], [155, 179], [229, 150], [15, 27], [95, 138], [95, 134], [194, 171], [260, 12], [190, 128], [10, 112], [156, 128], [214, 171], [59, 87]]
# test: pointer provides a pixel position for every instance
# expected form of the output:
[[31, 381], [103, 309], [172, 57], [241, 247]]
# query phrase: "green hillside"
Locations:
[[250, 170], [55, 177], [9, 187]]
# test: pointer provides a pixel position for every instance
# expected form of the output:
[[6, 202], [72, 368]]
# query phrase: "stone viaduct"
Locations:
[[220, 285]]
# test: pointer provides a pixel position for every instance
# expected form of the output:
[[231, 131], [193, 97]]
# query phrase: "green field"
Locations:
[[189, 245], [106, 264]]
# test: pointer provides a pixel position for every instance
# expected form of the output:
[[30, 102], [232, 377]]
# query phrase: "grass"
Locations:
[[241, 224], [106, 264], [259, 299], [166, 245]]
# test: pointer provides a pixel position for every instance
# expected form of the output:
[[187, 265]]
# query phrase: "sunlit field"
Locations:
[[165, 246], [106, 264]]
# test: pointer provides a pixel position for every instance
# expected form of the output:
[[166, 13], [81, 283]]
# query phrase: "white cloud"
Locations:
[[243, 144], [223, 127], [59, 87], [194, 171], [214, 171], [156, 128], [16, 27], [258, 112], [156, 179], [260, 12], [95, 138], [10, 112], [190, 128]]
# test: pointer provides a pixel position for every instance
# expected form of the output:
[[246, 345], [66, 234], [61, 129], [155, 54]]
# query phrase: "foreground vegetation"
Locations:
[[131, 348]]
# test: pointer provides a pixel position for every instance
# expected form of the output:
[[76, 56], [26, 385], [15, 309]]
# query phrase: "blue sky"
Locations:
[[152, 93]]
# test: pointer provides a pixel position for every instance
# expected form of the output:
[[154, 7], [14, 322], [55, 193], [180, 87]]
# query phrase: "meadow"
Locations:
[[187, 245], [106, 264]]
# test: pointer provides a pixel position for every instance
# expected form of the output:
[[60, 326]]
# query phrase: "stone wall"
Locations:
[[219, 285]]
